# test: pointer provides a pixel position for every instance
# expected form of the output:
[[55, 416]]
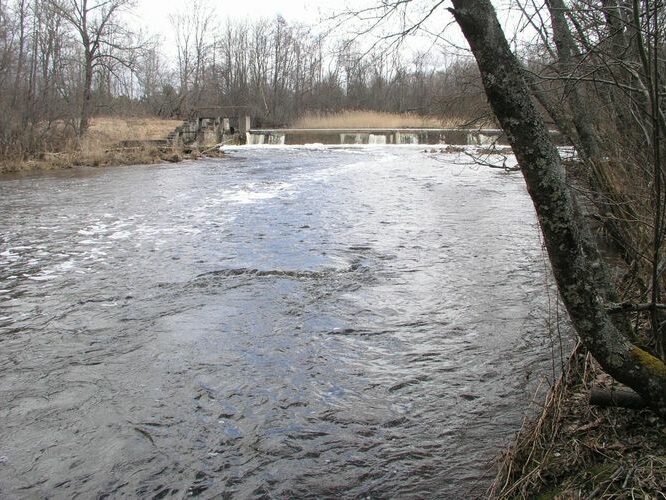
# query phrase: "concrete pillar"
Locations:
[[243, 125]]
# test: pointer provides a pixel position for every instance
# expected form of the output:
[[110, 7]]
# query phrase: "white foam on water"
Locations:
[[41, 277], [10, 252], [120, 235], [316, 146], [65, 266], [252, 194], [9, 256], [245, 197], [93, 230]]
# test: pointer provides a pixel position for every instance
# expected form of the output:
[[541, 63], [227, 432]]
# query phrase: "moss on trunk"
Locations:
[[579, 271]]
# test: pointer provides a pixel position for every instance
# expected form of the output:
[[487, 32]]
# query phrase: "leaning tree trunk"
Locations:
[[580, 273]]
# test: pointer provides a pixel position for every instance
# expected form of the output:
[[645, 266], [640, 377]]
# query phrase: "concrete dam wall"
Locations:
[[376, 136]]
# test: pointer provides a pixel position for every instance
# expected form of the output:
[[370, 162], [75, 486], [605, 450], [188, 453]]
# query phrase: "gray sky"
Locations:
[[153, 17], [154, 14]]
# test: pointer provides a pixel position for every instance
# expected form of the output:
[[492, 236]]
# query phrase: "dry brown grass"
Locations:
[[107, 131], [374, 119], [99, 146], [576, 451]]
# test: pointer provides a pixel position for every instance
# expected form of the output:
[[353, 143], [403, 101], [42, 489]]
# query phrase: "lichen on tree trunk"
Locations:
[[579, 271]]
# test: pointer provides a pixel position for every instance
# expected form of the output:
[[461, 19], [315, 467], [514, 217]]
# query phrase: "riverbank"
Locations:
[[574, 450], [104, 145], [577, 450], [52, 161], [141, 155], [145, 155]]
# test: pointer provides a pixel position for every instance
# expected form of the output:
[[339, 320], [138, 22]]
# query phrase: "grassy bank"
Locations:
[[105, 131], [374, 119], [100, 146], [577, 451]]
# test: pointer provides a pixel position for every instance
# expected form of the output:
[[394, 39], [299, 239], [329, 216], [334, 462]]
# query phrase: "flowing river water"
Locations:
[[281, 323]]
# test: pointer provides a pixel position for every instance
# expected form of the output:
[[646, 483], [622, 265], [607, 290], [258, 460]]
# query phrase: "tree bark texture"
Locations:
[[566, 49], [86, 101], [618, 397], [586, 138], [579, 271]]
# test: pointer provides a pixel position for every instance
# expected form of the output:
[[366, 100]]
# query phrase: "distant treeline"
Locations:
[[65, 61], [281, 71]]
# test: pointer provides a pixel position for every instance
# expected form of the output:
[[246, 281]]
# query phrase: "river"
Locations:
[[281, 323]]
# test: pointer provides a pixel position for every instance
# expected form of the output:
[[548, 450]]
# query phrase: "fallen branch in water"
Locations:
[[485, 163], [226, 141]]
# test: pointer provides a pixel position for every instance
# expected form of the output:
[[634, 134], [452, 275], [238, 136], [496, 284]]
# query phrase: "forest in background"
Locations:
[[63, 62]]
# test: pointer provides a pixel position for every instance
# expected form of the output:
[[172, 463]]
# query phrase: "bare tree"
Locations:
[[580, 272], [104, 40], [603, 87], [62, 61], [194, 43]]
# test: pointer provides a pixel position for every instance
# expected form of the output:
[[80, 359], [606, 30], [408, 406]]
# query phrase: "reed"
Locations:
[[374, 119]]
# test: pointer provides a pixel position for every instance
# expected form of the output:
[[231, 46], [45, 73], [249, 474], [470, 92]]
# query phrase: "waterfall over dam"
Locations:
[[462, 136]]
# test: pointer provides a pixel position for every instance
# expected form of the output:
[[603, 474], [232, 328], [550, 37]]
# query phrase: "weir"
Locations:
[[209, 127], [296, 136]]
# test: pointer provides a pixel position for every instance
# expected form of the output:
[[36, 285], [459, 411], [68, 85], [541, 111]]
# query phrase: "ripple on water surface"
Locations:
[[282, 323]]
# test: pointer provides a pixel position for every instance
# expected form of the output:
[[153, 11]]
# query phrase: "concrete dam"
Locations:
[[295, 136], [212, 127]]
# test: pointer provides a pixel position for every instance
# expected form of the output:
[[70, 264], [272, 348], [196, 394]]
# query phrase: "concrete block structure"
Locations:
[[210, 126]]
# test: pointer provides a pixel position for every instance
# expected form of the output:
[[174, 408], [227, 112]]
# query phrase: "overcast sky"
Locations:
[[152, 16]]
